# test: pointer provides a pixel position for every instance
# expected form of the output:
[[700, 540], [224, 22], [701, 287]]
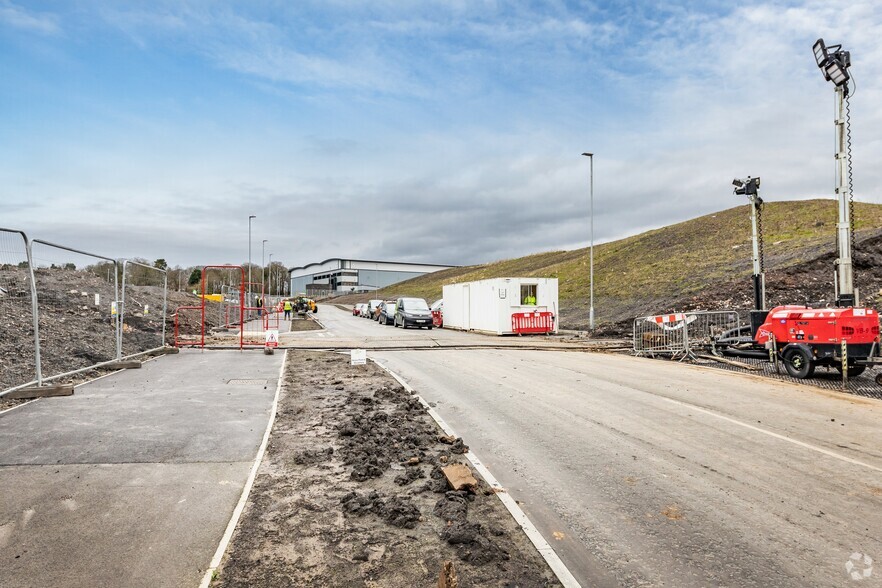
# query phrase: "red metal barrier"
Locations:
[[532, 322], [241, 300], [437, 318], [271, 320], [179, 340]]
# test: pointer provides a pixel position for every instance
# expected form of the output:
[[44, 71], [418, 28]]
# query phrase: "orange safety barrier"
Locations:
[[523, 323]]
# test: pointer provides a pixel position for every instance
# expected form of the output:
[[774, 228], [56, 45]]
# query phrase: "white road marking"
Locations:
[[542, 546], [802, 444]]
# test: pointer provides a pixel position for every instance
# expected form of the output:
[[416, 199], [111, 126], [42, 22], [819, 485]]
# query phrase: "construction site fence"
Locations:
[[683, 334], [44, 288], [150, 335]]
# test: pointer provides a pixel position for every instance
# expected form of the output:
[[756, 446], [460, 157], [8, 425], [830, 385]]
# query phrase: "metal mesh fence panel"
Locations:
[[709, 325], [18, 348], [143, 303], [682, 334], [660, 335], [77, 293]]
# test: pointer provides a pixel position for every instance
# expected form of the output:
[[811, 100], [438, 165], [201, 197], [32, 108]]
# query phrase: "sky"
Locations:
[[436, 132]]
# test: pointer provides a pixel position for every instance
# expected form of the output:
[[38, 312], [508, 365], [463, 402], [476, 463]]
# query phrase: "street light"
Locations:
[[590, 157], [249, 257], [263, 264], [269, 271]]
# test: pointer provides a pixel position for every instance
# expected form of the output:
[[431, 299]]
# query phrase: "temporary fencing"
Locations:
[[78, 301], [61, 307], [681, 335], [18, 311], [135, 307]]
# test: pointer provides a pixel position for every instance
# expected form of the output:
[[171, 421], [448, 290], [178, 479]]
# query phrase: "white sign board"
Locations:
[[97, 299], [146, 310], [272, 338], [113, 311], [358, 357]]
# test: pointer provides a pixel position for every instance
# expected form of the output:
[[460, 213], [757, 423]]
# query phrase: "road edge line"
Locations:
[[246, 490], [558, 567]]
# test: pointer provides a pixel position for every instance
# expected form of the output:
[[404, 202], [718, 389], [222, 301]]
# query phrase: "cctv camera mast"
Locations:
[[834, 62]]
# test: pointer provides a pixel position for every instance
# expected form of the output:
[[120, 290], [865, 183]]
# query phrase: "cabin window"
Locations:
[[528, 294]]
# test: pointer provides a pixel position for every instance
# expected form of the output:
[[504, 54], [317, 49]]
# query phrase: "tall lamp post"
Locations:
[[590, 157], [269, 271], [263, 263], [250, 217]]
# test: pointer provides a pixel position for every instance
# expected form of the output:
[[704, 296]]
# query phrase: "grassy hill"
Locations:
[[657, 270]]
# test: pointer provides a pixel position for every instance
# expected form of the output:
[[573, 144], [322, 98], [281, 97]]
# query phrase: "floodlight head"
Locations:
[[820, 51], [588, 154], [747, 186], [834, 62], [836, 71]]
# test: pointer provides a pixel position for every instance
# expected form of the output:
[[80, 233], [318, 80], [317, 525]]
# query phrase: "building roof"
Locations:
[[309, 265]]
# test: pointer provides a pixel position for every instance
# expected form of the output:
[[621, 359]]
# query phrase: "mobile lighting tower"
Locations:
[[834, 62], [750, 187]]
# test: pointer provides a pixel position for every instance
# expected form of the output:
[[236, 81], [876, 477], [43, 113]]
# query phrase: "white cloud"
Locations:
[[21, 18]]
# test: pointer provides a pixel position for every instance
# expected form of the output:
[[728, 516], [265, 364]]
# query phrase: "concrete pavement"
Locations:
[[131, 481]]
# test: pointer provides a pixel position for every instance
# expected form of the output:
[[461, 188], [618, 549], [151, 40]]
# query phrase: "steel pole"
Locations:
[[269, 273], [843, 192], [249, 257], [591, 250], [263, 265]]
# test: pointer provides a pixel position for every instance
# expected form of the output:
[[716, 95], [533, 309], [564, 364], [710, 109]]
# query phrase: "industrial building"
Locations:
[[337, 276]]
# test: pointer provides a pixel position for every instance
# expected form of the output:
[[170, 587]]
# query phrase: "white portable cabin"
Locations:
[[489, 305]]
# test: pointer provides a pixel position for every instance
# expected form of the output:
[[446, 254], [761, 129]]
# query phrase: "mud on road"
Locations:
[[350, 493]]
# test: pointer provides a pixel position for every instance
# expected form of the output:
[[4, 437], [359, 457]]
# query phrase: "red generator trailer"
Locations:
[[804, 338]]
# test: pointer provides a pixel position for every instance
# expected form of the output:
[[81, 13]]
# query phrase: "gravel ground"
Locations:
[[350, 494]]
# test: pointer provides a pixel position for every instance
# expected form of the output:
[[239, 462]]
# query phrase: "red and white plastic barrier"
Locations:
[[523, 323]]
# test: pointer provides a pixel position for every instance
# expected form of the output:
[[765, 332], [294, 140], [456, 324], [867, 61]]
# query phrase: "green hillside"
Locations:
[[645, 272]]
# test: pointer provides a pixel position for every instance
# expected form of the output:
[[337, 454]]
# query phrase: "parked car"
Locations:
[[356, 308], [371, 311], [437, 309], [359, 309], [412, 312], [387, 313]]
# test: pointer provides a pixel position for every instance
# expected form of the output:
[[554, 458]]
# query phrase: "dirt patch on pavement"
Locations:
[[304, 324], [351, 493]]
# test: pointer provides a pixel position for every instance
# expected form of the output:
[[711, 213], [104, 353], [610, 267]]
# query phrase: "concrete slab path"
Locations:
[[132, 481]]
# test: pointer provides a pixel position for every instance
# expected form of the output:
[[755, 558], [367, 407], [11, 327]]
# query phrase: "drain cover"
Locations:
[[247, 382]]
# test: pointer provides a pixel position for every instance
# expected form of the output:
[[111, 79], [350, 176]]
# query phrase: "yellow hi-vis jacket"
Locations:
[[287, 305]]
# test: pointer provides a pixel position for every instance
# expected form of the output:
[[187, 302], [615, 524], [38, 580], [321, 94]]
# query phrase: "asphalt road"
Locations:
[[647, 473]]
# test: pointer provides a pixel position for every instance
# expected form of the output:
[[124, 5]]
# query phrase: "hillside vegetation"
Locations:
[[664, 269]]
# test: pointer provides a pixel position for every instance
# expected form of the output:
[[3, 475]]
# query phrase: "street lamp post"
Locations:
[[269, 271], [263, 264], [249, 257], [590, 157]]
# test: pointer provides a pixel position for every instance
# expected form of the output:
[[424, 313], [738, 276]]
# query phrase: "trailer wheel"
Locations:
[[879, 379], [853, 370], [798, 363]]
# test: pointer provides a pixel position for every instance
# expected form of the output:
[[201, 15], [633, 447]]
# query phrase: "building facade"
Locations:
[[337, 276]]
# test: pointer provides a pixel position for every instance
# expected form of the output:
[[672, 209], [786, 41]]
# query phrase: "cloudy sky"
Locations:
[[446, 132]]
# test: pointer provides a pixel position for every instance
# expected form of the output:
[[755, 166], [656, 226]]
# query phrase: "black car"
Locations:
[[412, 312], [387, 313]]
